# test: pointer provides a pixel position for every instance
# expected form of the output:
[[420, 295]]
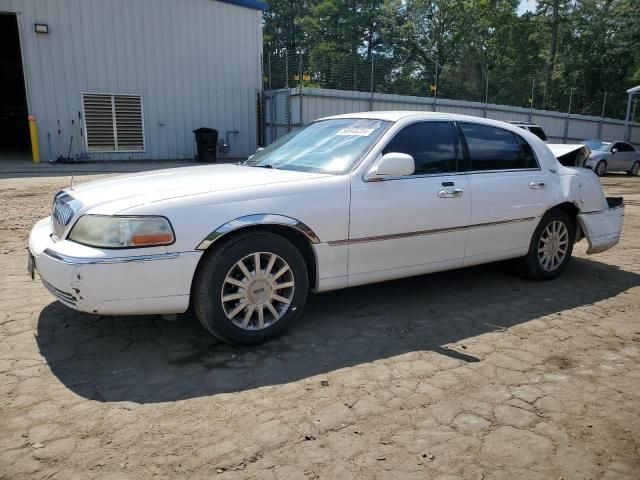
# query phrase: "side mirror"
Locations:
[[614, 150], [393, 165]]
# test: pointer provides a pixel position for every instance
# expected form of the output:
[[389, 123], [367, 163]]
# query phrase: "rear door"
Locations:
[[509, 192]]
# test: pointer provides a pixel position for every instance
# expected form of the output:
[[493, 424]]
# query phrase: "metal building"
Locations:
[[123, 79]]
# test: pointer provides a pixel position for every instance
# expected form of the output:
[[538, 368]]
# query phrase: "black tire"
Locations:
[[635, 169], [531, 263], [209, 282], [600, 168]]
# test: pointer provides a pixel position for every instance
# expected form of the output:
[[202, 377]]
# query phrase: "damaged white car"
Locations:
[[344, 201]]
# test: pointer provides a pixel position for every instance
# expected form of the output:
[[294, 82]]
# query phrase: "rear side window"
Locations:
[[492, 148], [431, 144], [538, 132]]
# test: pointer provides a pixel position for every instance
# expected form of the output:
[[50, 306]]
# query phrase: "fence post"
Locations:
[[604, 103], [533, 86], [371, 85], [287, 103], [270, 86], [300, 72], [435, 92], [486, 96], [566, 121]]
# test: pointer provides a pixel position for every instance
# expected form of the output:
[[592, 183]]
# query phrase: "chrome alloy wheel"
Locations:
[[553, 245], [600, 168], [257, 291]]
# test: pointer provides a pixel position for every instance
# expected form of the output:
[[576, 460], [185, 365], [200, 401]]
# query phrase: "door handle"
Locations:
[[454, 193], [537, 185]]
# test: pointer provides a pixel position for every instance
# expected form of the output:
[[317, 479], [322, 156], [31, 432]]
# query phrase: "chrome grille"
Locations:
[[64, 208]]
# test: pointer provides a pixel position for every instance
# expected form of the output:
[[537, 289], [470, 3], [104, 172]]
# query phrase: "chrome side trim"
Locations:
[[108, 260], [420, 233], [258, 219]]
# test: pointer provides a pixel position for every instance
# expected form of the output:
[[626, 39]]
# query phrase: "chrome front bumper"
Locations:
[[112, 282]]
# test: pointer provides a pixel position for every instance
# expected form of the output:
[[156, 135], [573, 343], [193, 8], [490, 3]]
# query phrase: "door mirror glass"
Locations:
[[395, 164]]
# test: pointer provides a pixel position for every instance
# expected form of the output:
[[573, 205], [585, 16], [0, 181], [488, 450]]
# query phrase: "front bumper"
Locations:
[[603, 229], [112, 282]]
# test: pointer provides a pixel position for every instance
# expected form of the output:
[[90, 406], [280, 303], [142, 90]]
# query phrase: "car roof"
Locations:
[[391, 115], [395, 116]]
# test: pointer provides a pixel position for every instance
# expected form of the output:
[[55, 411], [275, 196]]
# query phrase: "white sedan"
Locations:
[[344, 201]]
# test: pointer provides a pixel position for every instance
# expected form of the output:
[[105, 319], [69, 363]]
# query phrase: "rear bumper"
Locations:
[[603, 229]]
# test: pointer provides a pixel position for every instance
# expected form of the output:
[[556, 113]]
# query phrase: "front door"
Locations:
[[415, 224], [510, 193], [622, 159]]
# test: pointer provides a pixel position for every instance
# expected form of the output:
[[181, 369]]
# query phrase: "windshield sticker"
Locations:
[[357, 132]]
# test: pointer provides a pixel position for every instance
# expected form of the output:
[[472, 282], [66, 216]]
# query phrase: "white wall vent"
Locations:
[[113, 123]]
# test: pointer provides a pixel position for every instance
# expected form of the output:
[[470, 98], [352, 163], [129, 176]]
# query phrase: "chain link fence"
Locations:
[[381, 74]]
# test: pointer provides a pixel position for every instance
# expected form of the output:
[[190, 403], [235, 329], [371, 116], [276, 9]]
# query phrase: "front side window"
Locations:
[[431, 144], [625, 147], [492, 148], [328, 146]]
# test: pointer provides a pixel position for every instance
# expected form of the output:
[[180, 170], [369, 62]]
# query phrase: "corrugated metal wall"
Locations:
[[195, 62], [318, 103]]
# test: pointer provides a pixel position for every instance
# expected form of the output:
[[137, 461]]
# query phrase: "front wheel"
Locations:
[[250, 288], [601, 167], [551, 246], [635, 169]]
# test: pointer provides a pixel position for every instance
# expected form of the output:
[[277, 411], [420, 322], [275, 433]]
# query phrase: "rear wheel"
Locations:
[[250, 288], [601, 168], [635, 169], [551, 246]]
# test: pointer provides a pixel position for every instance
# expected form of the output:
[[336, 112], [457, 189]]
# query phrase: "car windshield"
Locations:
[[327, 146], [598, 145]]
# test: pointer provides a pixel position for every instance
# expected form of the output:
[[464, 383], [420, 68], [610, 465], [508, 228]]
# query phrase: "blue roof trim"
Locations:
[[255, 4]]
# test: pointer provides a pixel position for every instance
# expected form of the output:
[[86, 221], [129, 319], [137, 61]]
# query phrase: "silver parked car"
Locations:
[[612, 157]]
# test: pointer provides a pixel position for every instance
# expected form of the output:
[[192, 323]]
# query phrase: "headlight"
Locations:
[[122, 232]]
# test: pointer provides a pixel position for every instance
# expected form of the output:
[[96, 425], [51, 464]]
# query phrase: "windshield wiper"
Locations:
[[267, 165]]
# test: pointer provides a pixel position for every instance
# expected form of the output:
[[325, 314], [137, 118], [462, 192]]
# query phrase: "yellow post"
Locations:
[[35, 147]]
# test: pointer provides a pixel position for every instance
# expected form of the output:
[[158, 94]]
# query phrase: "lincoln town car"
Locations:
[[346, 200]]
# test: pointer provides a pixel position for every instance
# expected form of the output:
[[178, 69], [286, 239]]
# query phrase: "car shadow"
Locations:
[[148, 359]]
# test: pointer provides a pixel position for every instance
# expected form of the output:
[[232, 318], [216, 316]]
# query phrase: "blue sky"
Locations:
[[527, 6]]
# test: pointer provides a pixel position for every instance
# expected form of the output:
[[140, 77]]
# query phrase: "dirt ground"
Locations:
[[473, 374]]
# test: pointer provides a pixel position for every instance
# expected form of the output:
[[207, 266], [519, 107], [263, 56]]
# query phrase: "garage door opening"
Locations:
[[14, 128]]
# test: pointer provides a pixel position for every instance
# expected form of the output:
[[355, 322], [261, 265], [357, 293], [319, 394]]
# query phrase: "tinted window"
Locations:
[[492, 148], [430, 143], [538, 132]]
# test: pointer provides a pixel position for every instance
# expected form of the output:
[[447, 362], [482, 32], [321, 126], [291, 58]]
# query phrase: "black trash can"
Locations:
[[207, 142]]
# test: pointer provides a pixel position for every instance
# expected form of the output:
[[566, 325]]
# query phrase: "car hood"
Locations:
[[125, 191]]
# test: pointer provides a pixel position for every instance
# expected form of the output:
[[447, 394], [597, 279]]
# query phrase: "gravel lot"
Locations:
[[472, 374]]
